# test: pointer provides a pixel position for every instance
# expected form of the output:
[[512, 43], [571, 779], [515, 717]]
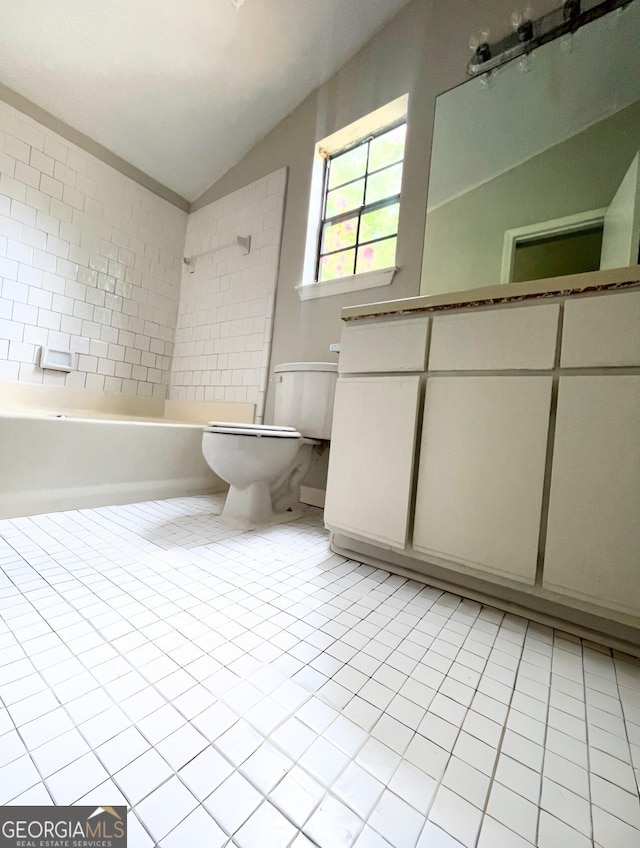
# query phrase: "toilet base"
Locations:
[[251, 508], [264, 503]]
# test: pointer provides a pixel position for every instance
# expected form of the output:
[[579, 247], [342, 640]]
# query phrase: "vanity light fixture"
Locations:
[[529, 34]]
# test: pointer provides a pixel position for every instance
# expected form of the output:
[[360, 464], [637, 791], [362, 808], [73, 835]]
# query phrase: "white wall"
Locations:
[[423, 51], [89, 260], [225, 316]]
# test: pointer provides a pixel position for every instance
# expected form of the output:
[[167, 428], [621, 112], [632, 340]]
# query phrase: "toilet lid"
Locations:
[[264, 430], [238, 425]]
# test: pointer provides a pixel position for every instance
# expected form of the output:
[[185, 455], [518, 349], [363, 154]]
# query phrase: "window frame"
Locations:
[[367, 124], [364, 207]]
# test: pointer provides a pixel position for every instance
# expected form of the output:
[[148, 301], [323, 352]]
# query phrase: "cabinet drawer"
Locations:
[[601, 330], [384, 346], [497, 339]]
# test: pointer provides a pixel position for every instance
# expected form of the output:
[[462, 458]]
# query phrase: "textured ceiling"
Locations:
[[181, 89]]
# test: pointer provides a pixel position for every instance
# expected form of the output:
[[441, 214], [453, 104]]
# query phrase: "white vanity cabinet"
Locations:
[[374, 428], [484, 439], [498, 449], [593, 534]]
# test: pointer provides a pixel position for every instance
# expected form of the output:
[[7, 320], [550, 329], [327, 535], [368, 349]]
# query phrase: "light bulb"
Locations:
[[479, 38], [521, 21]]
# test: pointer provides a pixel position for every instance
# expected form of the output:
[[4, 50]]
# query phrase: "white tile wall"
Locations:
[[89, 260], [225, 317]]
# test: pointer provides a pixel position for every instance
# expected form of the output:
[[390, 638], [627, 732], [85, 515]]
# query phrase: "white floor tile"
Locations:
[[553, 832], [297, 795], [414, 786], [233, 802], [397, 821], [143, 775], [456, 816], [165, 808], [234, 688], [198, 828], [495, 835], [75, 780], [266, 828], [513, 811], [611, 832], [333, 825], [358, 789], [434, 837], [205, 773], [17, 777], [467, 782], [266, 767]]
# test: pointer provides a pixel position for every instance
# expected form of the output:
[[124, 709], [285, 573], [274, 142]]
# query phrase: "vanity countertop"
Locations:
[[616, 278]]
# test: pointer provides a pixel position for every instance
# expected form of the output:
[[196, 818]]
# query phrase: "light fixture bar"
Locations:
[[531, 34]]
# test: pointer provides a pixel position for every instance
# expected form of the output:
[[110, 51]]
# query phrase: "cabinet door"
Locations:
[[481, 473], [593, 533], [371, 458]]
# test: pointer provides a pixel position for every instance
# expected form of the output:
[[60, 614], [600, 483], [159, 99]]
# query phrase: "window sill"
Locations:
[[355, 282]]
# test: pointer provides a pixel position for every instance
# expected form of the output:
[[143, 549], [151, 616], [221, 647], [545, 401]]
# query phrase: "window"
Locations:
[[354, 202], [361, 204]]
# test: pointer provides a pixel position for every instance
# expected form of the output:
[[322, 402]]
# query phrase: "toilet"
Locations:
[[265, 464]]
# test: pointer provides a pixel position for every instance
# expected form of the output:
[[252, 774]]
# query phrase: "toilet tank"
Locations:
[[304, 397]]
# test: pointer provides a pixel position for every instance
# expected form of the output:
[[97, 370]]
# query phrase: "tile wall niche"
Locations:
[[225, 316], [89, 260]]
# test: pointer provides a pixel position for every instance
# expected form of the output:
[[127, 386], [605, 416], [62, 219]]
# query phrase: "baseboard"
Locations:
[[312, 497]]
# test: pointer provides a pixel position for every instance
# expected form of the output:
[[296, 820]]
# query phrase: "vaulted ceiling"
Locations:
[[181, 89]]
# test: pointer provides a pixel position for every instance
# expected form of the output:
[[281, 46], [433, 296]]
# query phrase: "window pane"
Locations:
[[347, 166], [344, 199], [384, 184], [337, 236], [336, 265], [381, 222], [387, 148], [380, 254]]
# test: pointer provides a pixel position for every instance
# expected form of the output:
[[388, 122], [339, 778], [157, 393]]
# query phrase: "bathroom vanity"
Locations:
[[489, 441]]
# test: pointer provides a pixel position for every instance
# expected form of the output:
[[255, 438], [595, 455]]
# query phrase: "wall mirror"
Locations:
[[535, 168]]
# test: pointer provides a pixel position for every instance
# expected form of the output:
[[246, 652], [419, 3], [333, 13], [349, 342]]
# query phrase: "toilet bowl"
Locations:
[[264, 465]]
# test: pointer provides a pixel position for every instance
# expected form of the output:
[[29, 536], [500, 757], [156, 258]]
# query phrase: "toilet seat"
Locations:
[[263, 430]]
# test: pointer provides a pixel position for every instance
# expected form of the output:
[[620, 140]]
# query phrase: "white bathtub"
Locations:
[[50, 463]]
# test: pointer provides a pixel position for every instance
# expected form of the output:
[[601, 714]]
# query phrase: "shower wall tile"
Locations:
[[225, 315], [89, 260]]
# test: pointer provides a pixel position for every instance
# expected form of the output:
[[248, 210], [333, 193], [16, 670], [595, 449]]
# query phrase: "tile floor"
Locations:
[[254, 690]]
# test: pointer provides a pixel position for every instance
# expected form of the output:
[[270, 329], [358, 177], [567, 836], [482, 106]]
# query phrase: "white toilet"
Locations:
[[265, 464]]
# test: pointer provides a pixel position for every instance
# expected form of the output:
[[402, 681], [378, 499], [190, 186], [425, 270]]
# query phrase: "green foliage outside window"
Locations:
[[361, 205]]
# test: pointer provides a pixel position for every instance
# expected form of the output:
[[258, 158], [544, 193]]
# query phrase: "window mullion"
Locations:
[[364, 198]]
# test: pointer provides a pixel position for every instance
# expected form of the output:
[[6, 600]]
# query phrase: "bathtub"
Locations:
[[53, 461]]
